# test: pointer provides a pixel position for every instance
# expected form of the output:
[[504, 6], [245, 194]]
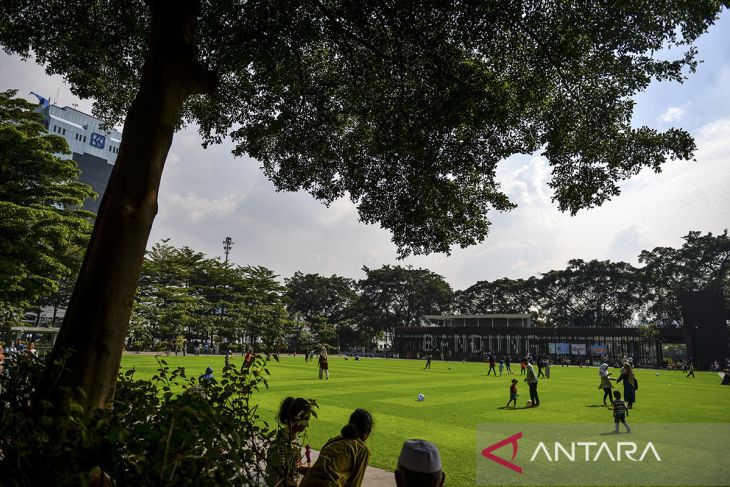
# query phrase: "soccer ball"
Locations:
[[421, 397], [657, 374], [529, 403]]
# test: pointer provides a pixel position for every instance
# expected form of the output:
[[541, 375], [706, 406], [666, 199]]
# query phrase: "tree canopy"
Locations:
[[41, 223], [184, 293], [405, 108], [400, 296]]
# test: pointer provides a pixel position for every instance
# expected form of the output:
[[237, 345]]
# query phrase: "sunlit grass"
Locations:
[[459, 396]]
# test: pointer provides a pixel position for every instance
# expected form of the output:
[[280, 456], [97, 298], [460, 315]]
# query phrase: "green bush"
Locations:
[[233, 347], [170, 430]]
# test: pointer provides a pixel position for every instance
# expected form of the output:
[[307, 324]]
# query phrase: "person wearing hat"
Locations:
[[419, 465]]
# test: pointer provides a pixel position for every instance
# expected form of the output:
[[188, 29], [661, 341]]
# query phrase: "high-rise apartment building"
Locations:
[[94, 149]]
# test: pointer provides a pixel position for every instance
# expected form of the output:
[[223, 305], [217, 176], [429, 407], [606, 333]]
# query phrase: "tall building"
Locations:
[[94, 149]]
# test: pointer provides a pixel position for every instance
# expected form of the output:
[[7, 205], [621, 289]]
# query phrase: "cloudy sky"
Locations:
[[207, 195]]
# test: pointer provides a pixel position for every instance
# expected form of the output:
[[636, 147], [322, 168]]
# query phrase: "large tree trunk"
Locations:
[[91, 339]]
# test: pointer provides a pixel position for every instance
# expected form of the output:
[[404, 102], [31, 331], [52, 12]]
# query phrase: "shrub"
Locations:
[[170, 430]]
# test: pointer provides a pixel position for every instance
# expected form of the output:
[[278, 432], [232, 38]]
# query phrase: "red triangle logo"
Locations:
[[487, 452]]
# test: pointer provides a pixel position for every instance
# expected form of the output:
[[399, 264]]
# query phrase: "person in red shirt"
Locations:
[[491, 366], [512, 393]]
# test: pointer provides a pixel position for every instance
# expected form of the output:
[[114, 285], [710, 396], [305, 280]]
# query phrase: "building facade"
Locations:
[[470, 337], [94, 149]]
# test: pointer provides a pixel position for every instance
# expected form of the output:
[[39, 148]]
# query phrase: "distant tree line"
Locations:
[[611, 294], [183, 293]]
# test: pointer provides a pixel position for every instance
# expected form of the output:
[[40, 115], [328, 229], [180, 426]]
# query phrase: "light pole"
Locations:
[[227, 244]]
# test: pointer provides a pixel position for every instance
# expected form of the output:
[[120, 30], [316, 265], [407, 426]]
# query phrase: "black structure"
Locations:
[[470, 337], [705, 326]]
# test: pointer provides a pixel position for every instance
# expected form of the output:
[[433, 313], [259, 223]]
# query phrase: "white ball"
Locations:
[[528, 403], [657, 374], [421, 397]]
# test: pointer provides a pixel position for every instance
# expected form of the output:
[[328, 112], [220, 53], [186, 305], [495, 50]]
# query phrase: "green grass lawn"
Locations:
[[459, 396]]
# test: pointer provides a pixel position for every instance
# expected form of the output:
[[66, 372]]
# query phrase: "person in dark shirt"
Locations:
[[491, 366], [207, 378], [323, 364], [620, 412]]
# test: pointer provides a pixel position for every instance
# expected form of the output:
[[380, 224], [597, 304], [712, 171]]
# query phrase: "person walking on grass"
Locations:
[[531, 380], [491, 366], [323, 364], [691, 369], [620, 412], [630, 384], [540, 365], [605, 384], [512, 393], [508, 364], [523, 366], [501, 366], [428, 361], [343, 459]]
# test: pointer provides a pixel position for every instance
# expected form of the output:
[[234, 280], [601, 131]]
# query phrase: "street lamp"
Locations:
[[227, 244]]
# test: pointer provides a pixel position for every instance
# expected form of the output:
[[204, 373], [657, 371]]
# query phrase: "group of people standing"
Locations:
[[626, 377], [503, 362], [619, 406], [344, 458], [531, 378]]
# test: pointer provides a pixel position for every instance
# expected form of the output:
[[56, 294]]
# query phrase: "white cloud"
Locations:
[[671, 114], [197, 208]]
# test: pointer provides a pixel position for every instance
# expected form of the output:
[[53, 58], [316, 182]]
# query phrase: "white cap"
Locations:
[[420, 456]]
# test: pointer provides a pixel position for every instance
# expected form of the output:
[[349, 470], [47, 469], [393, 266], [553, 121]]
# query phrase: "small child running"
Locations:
[[620, 412], [512, 393]]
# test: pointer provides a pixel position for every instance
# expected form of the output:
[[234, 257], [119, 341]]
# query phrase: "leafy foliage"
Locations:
[[170, 430], [323, 303], [183, 292], [703, 262], [405, 108], [41, 224], [400, 296]]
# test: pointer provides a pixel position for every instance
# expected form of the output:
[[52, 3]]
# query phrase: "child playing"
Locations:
[[512, 393], [620, 412]]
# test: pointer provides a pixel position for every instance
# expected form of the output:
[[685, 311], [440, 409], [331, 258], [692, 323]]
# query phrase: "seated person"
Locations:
[[726, 378], [207, 378], [343, 459], [419, 465]]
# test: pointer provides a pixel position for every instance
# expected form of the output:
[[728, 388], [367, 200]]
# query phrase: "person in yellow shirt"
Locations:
[[343, 459]]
